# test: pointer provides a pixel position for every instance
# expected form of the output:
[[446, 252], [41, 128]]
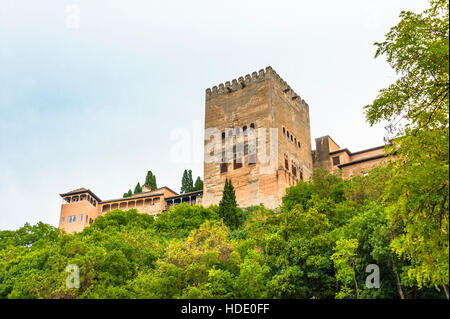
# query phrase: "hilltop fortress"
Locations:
[[245, 120]]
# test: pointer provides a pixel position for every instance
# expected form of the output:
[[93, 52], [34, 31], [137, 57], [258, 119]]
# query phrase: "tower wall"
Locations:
[[264, 100]]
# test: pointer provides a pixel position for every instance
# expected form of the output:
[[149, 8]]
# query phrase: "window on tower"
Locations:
[[336, 160], [223, 168], [237, 164]]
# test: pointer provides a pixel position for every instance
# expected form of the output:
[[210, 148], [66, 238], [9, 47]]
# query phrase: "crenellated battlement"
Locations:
[[242, 82]]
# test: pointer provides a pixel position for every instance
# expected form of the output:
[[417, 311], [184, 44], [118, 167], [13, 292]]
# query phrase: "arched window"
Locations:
[[252, 125], [223, 135], [244, 129], [284, 131], [299, 145], [287, 134]]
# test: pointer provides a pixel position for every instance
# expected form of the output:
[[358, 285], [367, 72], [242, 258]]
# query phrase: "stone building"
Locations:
[[257, 133], [261, 100], [342, 162], [81, 207]]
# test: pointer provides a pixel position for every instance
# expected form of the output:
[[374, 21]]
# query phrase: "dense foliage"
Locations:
[[316, 245], [417, 107]]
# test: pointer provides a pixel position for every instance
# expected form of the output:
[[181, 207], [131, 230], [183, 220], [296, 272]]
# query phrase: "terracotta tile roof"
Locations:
[[79, 191]]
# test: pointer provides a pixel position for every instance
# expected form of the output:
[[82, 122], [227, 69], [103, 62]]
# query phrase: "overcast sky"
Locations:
[[92, 102]]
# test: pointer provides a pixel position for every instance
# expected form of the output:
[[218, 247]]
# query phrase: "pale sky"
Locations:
[[93, 104]]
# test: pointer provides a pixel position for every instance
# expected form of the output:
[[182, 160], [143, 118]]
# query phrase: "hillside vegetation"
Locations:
[[316, 245]]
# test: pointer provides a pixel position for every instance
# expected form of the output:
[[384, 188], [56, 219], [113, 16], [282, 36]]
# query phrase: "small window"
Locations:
[[223, 135], [223, 168], [292, 138], [62, 221], [252, 125], [87, 218], [301, 174], [294, 170], [336, 160], [244, 129], [286, 164], [299, 145], [287, 134], [284, 131], [90, 221], [81, 217]]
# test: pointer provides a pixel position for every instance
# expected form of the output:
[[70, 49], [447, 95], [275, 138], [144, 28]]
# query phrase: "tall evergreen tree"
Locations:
[[187, 183], [198, 186], [138, 188], [228, 209], [190, 182], [150, 180], [128, 194], [184, 182]]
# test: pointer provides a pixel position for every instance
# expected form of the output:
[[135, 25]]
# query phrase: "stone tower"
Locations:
[[259, 101]]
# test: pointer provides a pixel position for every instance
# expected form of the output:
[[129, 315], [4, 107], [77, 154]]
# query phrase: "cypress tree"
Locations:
[[138, 188], [150, 180], [198, 186], [228, 209], [128, 194], [184, 182], [190, 182]]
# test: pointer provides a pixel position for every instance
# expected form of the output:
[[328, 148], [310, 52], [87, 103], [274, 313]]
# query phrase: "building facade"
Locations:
[[81, 207], [257, 134]]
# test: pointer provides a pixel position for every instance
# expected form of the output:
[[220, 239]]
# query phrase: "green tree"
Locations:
[[138, 188], [184, 182], [150, 180], [417, 107], [128, 194], [228, 208], [198, 186], [344, 262], [187, 184]]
